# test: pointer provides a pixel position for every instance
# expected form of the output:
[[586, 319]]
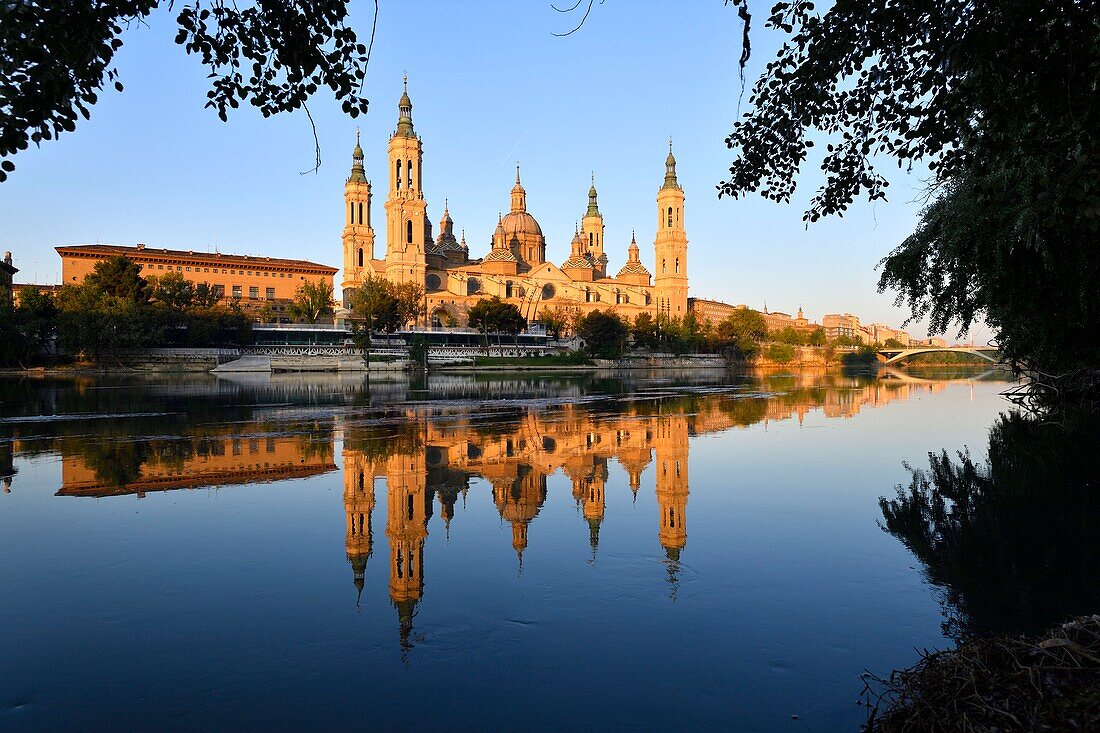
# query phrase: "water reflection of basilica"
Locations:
[[427, 452], [432, 459]]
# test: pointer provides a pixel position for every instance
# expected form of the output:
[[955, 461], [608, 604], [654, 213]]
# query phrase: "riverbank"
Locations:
[[1050, 682]]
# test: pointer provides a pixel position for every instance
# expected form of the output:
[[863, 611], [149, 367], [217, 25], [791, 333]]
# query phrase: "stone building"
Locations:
[[252, 281], [516, 267], [7, 273]]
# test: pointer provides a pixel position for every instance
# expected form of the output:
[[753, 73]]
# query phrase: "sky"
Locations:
[[491, 86]]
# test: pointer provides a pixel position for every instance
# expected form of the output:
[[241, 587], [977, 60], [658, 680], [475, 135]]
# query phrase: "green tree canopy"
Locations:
[[119, 277], [493, 315], [740, 333], [57, 58], [376, 306], [999, 101], [312, 300], [604, 334]]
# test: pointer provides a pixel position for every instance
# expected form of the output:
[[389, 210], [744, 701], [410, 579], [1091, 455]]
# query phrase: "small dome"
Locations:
[[520, 222]]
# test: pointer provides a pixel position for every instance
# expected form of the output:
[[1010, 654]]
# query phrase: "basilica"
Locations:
[[515, 268]]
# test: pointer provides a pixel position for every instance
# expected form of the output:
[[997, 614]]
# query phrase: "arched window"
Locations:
[[410, 506], [590, 240], [409, 168], [409, 231], [360, 212], [351, 213], [677, 265], [399, 175], [508, 289], [670, 217], [677, 214], [360, 256], [663, 268]]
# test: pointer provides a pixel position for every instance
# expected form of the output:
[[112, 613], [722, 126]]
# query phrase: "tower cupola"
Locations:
[[670, 169], [404, 113]]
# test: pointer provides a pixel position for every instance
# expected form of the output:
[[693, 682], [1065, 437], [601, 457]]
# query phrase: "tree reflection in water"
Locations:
[[1012, 542]]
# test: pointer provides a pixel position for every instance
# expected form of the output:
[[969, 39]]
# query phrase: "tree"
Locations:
[[999, 100], [36, 316], [13, 342], [644, 331], [375, 305], [119, 277], [493, 315], [738, 336], [410, 301], [173, 290], [604, 334], [789, 335], [893, 343], [816, 337], [312, 300], [274, 55], [780, 353], [558, 320]]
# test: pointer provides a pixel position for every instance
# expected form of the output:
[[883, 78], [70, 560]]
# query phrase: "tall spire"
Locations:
[[404, 110], [519, 195], [358, 172], [593, 207], [670, 168]]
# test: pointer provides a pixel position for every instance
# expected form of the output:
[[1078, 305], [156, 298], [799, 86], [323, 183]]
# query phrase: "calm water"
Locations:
[[474, 552]]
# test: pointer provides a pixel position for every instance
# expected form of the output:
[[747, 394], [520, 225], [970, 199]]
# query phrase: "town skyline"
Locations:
[[235, 187]]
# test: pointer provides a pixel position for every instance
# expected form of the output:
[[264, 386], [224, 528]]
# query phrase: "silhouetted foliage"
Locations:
[[55, 59], [1011, 541], [999, 100]]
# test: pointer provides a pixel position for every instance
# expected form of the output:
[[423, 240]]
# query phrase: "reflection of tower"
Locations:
[[358, 505], [519, 502], [671, 442], [409, 506], [593, 501]]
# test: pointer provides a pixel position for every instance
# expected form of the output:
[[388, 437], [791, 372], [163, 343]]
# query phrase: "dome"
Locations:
[[520, 222]]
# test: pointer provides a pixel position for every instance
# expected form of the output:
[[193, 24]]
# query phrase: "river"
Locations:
[[477, 552]]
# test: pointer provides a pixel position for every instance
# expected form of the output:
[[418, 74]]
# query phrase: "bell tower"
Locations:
[[592, 232], [358, 233], [406, 211], [670, 281]]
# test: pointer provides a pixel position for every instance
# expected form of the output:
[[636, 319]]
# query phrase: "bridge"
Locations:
[[892, 356]]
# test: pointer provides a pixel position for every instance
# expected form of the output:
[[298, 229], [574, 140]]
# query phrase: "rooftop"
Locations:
[[229, 259]]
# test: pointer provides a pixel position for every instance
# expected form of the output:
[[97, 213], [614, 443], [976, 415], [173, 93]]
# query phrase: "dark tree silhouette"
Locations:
[[55, 59]]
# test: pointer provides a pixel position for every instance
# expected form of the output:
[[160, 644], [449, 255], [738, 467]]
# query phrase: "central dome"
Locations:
[[520, 222]]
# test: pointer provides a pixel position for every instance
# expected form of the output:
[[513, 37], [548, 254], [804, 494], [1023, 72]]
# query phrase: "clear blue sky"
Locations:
[[490, 86]]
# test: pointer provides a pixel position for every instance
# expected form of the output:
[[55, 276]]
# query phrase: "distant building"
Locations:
[[845, 324], [7, 273], [881, 333], [20, 288], [516, 267], [935, 341], [252, 281]]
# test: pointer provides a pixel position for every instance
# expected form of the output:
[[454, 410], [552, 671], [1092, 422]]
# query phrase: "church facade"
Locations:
[[516, 267]]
